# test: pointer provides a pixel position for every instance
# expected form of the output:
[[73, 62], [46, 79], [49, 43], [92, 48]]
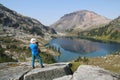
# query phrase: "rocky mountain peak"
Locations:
[[82, 12], [80, 20]]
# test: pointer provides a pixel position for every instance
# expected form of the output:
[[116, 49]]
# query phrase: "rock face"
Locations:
[[86, 72], [93, 73], [13, 71], [49, 73], [23, 71], [57, 71], [16, 24], [79, 21], [69, 77]]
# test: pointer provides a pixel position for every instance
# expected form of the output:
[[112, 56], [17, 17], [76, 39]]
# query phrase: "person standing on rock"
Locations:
[[35, 52]]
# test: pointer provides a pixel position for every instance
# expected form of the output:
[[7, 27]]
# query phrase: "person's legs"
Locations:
[[33, 61], [40, 60]]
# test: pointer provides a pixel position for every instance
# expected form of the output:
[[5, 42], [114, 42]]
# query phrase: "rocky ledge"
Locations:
[[23, 71], [57, 71]]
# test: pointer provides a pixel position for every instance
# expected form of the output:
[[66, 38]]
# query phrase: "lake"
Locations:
[[72, 48]]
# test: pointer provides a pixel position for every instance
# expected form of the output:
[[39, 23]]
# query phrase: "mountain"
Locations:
[[110, 31], [15, 24], [79, 21], [16, 31]]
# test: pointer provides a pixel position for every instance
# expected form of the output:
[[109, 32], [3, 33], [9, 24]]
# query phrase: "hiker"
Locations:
[[35, 52]]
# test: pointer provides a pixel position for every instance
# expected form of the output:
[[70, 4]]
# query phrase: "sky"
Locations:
[[49, 11]]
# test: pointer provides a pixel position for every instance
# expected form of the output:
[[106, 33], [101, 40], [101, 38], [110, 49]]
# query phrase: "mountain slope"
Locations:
[[79, 21], [16, 24], [108, 32]]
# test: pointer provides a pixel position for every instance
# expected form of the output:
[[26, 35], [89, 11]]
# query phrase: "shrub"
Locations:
[[47, 58], [1, 49]]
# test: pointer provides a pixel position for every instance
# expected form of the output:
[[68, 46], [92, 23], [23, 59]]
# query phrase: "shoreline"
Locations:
[[91, 38]]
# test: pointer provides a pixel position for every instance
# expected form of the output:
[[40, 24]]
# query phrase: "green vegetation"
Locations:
[[116, 53], [69, 30], [19, 50], [107, 33], [9, 41], [54, 48], [3, 57], [16, 47], [36, 30], [111, 62], [47, 58], [75, 65], [82, 59], [1, 49]]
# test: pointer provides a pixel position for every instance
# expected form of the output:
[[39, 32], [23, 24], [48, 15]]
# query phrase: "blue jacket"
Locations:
[[34, 49]]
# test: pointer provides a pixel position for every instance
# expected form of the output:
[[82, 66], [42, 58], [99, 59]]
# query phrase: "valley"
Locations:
[[80, 38]]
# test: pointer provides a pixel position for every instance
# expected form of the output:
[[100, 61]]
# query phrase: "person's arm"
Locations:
[[38, 47]]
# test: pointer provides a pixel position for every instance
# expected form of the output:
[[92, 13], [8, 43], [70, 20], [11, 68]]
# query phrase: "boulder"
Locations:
[[49, 72], [24, 71], [68, 77], [13, 71], [87, 72]]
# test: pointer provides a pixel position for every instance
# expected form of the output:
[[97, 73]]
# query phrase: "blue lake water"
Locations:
[[73, 48]]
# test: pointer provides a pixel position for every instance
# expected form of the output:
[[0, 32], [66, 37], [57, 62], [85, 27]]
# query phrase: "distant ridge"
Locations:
[[109, 32], [79, 21], [18, 25]]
